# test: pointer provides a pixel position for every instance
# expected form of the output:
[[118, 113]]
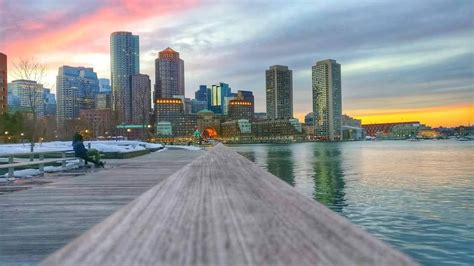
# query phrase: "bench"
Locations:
[[11, 165]]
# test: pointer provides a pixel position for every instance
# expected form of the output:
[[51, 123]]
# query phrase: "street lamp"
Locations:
[[22, 134], [6, 132]]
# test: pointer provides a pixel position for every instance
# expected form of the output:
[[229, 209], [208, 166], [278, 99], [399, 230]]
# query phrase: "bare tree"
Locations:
[[30, 69]]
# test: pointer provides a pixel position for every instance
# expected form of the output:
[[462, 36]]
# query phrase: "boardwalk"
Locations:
[[38, 221], [224, 210]]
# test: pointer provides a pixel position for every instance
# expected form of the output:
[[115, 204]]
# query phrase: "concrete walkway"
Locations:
[[38, 221]]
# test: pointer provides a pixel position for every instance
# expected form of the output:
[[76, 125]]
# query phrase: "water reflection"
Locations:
[[328, 176], [280, 163]]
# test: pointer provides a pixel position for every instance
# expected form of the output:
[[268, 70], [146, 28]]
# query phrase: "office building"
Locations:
[[240, 109], [3, 84], [171, 119], [327, 100], [197, 105], [49, 103], [141, 98], [309, 119], [201, 94], [76, 89], [103, 100], [28, 95], [169, 74], [216, 97], [380, 129], [104, 85], [124, 62], [279, 92], [248, 96]]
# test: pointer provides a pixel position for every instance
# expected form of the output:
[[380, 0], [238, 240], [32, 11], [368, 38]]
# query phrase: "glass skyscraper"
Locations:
[[279, 92], [169, 74], [216, 97], [124, 62], [76, 89], [327, 100]]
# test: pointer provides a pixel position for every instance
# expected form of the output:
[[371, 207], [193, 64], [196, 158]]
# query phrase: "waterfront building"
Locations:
[[201, 94], [240, 109], [104, 85], [237, 131], [28, 96], [172, 110], [3, 84], [124, 62], [327, 99], [350, 121], [380, 129], [169, 74], [197, 105], [276, 130], [49, 103], [216, 97], [141, 98], [309, 119], [279, 92], [76, 89], [209, 123]]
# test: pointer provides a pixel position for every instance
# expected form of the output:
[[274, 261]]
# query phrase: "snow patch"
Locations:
[[25, 173]]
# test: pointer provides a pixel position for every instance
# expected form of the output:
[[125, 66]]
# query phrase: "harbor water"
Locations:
[[416, 196]]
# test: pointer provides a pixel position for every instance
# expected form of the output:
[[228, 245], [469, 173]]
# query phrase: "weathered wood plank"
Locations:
[[224, 210], [38, 221]]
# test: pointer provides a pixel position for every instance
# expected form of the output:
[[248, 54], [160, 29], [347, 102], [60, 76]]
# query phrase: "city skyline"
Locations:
[[415, 64]]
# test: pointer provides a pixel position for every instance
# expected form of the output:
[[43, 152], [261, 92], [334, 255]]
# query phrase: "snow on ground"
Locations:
[[184, 147], [102, 146], [25, 173]]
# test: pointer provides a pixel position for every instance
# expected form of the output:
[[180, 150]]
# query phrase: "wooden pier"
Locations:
[[221, 209], [38, 221]]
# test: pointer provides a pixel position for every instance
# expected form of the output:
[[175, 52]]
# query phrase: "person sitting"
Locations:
[[81, 151]]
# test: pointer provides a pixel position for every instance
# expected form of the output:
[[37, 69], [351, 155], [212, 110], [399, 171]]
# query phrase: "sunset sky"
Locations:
[[401, 60]]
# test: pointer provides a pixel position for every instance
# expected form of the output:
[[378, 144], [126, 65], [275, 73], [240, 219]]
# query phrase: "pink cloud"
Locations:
[[56, 31]]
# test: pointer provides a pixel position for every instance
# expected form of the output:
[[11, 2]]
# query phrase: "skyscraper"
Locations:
[[124, 62], [169, 74], [279, 92], [327, 100], [76, 89], [141, 99], [201, 94], [216, 97], [104, 85], [28, 95], [3, 84]]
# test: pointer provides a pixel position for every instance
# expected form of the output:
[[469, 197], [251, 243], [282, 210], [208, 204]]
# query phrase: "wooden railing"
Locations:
[[222, 209], [11, 165]]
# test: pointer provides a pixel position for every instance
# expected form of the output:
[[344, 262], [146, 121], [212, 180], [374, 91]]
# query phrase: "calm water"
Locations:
[[417, 196]]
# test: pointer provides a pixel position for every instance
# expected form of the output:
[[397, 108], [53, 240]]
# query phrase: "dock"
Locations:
[[38, 221], [220, 209]]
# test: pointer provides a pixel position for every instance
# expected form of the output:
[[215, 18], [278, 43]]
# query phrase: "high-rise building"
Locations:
[[248, 96], [76, 89], [279, 92], [169, 74], [29, 95], [197, 105], [103, 100], [327, 100], [49, 103], [216, 97], [141, 98], [201, 94], [124, 62], [3, 84], [104, 85]]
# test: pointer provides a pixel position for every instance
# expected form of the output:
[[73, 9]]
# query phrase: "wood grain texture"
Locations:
[[38, 221], [224, 210]]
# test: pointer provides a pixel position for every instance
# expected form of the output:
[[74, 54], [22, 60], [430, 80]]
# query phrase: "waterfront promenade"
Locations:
[[38, 221]]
